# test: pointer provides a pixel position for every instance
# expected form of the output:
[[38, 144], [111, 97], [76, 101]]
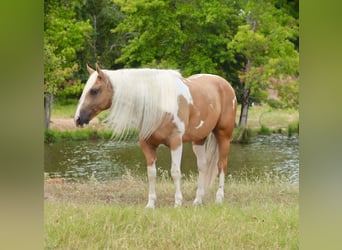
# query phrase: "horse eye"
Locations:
[[94, 91]]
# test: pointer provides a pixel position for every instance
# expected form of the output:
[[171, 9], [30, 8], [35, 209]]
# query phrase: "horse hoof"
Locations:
[[149, 206], [197, 202], [219, 201], [178, 204]]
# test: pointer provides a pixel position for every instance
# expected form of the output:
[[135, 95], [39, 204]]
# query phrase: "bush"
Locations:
[[50, 136], [274, 103], [70, 93], [264, 130], [293, 129]]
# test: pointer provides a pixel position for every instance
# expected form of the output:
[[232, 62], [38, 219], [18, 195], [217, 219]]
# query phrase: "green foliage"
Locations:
[[293, 128], [71, 91], [102, 45], [64, 36], [289, 93], [273, 103], [54, 74], [264, 130], [265, 41], [64, 31], [190, 36]]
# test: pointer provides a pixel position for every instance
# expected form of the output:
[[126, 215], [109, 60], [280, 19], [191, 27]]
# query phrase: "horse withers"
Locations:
[[167, 109]]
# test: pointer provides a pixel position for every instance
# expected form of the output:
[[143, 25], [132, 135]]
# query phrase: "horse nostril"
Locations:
[[78, 121]]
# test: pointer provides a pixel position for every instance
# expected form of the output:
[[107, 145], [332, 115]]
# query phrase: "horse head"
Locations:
[[96, 96]]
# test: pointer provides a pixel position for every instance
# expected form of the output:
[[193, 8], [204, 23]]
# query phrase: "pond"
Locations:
[[108, 160]]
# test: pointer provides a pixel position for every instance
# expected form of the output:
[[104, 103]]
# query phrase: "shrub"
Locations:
[[70, 92], [293, 129], [264, 130]]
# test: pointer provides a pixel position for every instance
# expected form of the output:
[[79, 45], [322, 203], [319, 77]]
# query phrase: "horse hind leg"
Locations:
[[176, 147], [224, 145], [199, 151]]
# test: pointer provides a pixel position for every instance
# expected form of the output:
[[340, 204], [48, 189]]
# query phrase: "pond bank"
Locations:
[[99, 132]]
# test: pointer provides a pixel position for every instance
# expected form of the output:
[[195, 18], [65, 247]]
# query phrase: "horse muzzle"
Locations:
[[81, 120]]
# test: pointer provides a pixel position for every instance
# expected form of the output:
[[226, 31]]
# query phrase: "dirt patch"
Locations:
[[63, 124]]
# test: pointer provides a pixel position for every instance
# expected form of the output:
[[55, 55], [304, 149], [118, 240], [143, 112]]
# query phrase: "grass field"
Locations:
[[259, 214]]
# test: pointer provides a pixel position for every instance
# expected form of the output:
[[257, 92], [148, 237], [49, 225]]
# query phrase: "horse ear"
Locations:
[[99, 72], [90, 70]]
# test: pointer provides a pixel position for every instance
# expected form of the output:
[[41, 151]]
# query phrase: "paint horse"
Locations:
[[167, 109]]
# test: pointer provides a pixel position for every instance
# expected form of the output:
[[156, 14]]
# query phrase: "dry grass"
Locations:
[[132, 190], [259, 214]]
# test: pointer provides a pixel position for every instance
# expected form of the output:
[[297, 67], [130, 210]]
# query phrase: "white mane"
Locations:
[[141, 99]]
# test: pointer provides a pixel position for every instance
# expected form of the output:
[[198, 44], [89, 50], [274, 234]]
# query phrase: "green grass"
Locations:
[[259, 214], [265, 116], [85, 134], [64, 111]]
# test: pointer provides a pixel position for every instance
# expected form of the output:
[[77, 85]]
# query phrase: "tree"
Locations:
[[64, 36], [54, 75], [266, 43], [102, 45], [189, 35]]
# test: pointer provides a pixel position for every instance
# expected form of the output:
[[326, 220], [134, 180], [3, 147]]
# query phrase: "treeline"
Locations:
[[254, 44]]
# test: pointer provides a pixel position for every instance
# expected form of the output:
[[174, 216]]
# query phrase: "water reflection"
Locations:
[[107, 160]]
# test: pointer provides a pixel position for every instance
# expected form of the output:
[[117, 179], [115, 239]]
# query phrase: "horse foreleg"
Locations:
[[150, 155], [176, 156], [152, 176], [199, 151]]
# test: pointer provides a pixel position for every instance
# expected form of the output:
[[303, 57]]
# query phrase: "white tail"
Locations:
[[212, 159]]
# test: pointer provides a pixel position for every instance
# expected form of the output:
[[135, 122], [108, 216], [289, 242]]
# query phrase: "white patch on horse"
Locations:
[[220, 191], [211, 105], [234, 100], [197, 76], [176, 156], [201, 75], [152, 175], [87, 87], [181, 90], [199, 125], [199, 151]]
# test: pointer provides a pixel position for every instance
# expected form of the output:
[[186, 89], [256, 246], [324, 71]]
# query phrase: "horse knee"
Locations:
[[222, 166]]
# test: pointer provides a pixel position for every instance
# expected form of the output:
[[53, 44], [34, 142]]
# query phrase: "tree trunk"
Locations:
[[48, 100], [245, 98], [244, 108]]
